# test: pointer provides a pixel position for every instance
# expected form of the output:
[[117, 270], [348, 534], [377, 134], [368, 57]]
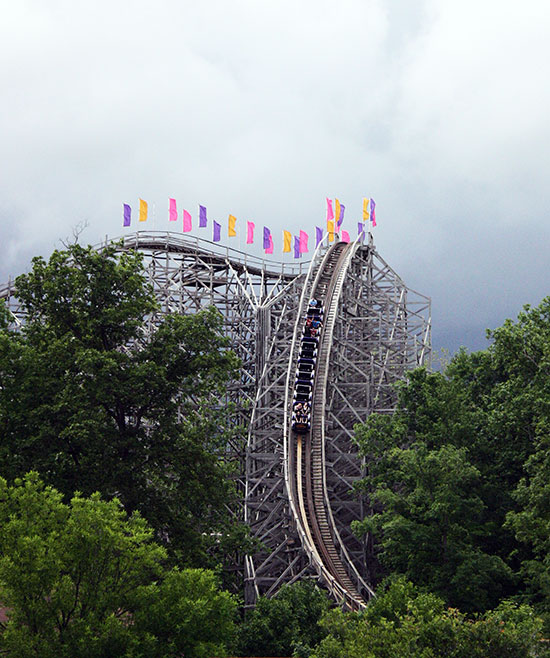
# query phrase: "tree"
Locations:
[[93, 404], [431, 516], [487, 416], [403, 621], [83, 579], [285, 625]]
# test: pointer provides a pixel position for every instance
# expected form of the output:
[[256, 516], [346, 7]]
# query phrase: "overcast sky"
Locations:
[[438, 109]]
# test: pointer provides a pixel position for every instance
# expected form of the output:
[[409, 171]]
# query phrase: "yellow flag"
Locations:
[[142, 210], [287, 241], [231, 228], [330, 229], [336, 210], [365, 210]]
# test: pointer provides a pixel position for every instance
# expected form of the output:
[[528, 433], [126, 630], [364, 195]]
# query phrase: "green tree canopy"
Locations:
[[93, 403], [285, 625], [83, 579], [456, 477], [402, 621]]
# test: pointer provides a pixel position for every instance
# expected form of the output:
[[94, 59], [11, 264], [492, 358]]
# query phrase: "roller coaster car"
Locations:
[[305, 371], [300, 427], [302, 397]]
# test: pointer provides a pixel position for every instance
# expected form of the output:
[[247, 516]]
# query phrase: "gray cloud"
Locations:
[[437, 110]]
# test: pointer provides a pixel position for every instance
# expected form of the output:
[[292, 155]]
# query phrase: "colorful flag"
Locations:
[[365, 210], [296, 247], [340, 216], [231, 232], [318, 236], [142, 210], [287, 241], [361, 230], [372, 213], [216, 231], [345, 236], [303, 242], [269, 249], [202, 217], [330, 229], [186, 221], [337, 213], [173, 211], [267, 235], [127, 215], [330, 211], [250, 226]]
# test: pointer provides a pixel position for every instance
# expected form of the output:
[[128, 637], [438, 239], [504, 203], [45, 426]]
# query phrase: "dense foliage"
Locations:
[[286, 625], [83, 579], [402, 621], [92, 405], [458, 478]]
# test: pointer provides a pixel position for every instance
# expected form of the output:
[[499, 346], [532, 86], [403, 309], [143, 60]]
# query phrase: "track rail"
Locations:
[[305, 454]]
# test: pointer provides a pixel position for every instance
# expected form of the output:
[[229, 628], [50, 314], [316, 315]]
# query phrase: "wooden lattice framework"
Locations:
[[382, 330]]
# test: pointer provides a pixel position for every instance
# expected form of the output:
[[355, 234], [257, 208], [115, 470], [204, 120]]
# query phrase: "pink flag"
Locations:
[[330, 211], [303, 242], [250, 226], [173, 210], [345, 236], [186, 221], [269, 250]]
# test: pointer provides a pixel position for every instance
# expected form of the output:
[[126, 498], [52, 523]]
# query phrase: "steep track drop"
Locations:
[[306, 449]]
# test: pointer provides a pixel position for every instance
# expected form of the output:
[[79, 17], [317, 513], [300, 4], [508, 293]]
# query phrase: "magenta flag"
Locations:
[[345, 236], [318, 236], [127, 215], [341, 218], [330, 211], [372, 213], [173, 211], [202, 217], [296, 247], [267, 235], [304, 237], [269, 249], [216, 232], [361, 230], [186, 221], [250, 226]]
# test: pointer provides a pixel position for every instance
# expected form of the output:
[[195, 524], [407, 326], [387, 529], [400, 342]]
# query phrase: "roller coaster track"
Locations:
[[305, 467]]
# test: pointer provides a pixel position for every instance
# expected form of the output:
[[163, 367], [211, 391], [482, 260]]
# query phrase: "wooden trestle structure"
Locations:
[[297, 489]]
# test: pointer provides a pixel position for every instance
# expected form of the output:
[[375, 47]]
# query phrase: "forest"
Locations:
[[117, 536]]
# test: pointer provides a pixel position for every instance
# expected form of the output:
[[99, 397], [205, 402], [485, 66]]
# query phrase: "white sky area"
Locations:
[[439, 110]]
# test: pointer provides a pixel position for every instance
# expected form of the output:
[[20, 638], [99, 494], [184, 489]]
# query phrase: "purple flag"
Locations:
[[127, 215], [267, 235], [372, 213], [318, 236], [296, 247], [361, 230], [202, 217], [341, 218], [217, 232]]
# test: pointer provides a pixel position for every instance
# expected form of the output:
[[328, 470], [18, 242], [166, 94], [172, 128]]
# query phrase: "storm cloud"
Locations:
[[438, 110]]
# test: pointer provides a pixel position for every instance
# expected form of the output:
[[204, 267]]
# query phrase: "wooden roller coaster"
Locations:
[[296, 478]]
